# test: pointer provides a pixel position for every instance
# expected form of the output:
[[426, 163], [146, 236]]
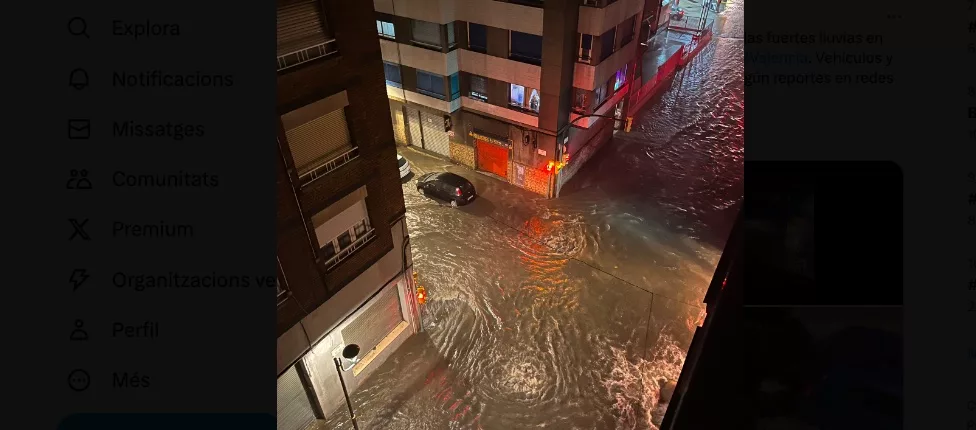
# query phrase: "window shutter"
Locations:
[[300, 25], [427, 32], [319, 140], [479, 85]]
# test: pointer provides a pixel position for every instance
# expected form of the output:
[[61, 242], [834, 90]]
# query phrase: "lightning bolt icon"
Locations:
[[78, 277]]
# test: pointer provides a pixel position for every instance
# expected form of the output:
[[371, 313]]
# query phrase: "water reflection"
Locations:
[[574, 313]]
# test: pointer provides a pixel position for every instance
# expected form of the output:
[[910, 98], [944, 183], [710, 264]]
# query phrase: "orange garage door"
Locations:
[[493, 158]]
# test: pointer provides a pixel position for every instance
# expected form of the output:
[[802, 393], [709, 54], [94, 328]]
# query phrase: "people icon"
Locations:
[[79, 332], [79, 180]]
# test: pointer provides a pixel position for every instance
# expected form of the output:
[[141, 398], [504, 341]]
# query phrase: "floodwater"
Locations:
[[571, 313]]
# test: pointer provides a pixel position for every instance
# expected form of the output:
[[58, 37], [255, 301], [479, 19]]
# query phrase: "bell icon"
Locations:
[[78, 79]]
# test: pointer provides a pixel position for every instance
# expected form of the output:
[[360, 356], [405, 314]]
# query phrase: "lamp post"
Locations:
[[350, 356]]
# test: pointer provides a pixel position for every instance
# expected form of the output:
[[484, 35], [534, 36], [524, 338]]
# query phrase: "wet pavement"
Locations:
[[569, 313]]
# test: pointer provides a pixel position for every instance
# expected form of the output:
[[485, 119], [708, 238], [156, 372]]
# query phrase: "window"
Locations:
[[385, 29], [455, 86], [328, 251], [606, 43], [586, 47], [345, 240], [450, 35], [620, 79], [580, 100], [427, 33], [477, 37], [517, 95], [479, 88], [360, 229], [392, 72], [430, 84], [534, 101], [526, 47], [600, 94], [627, 30]]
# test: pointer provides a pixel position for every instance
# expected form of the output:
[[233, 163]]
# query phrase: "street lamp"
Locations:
[[349, 356]]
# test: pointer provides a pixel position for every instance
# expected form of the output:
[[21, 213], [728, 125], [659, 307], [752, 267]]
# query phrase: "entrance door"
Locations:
[[413, 123], [493, 158]]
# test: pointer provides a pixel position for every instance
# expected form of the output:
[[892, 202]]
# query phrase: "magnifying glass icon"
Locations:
[[78, 27]]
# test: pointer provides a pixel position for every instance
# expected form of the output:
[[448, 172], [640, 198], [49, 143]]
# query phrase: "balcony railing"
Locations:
[[584, 56], [349, 250], [327, 167], [304, 55]]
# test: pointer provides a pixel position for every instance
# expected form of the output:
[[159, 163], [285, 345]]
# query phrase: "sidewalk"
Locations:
[[659, 49]]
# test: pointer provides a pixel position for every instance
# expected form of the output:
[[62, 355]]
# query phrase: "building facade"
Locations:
[[523, 90], [343, 250]]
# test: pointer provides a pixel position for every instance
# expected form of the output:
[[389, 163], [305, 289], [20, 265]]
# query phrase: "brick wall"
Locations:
[[534, 179], [358, 69], [462, 154]]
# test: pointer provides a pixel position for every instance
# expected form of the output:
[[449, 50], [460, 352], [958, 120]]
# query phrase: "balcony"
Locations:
[[501, 69], [599, 19], [328, 167], [349, 250], [304, 55]]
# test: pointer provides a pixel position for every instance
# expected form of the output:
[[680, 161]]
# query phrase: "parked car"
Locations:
[[677, 14], [447, 186], [404, 166]]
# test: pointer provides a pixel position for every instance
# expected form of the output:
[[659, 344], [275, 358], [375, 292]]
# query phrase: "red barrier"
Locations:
[[664, 72], [697, 45]]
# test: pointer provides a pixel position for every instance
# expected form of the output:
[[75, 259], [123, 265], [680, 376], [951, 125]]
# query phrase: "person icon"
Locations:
[[73, 180], [79, 332], [83, 182]]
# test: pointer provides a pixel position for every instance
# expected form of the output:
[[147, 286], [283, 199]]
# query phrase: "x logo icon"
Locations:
[[79, 227]]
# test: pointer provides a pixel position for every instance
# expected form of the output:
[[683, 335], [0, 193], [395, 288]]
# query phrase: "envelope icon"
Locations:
[[79, 129]]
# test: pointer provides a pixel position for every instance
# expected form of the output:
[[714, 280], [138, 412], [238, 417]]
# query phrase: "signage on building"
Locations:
[[490, 139], [541, 152]]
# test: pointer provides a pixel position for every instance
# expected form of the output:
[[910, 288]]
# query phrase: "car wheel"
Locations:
[[454, 203]]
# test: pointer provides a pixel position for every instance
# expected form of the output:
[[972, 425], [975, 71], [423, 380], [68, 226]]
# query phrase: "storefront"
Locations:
[[492, 154]]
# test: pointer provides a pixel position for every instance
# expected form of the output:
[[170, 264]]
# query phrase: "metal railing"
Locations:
[[304, 55], [327, 167], [349, 250], [584, 56]]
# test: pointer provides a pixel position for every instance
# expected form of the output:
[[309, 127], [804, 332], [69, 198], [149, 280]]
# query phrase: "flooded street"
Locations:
[[570, 313]]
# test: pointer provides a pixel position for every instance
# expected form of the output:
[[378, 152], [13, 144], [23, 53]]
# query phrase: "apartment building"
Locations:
[[343, 249], [523, 90]]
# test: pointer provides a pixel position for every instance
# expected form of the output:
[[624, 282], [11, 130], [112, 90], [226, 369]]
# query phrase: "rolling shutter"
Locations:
[[376, 321], [300, 25], [493, 158], [413, 123], [435, 137], [479, 85], [294, 407], [319, 140], [427, 32]]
